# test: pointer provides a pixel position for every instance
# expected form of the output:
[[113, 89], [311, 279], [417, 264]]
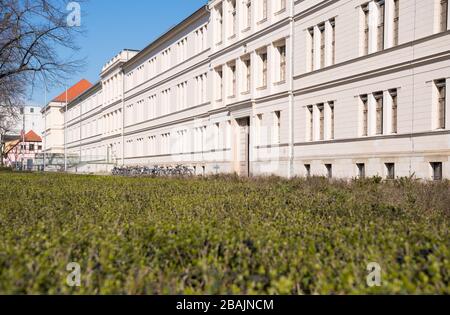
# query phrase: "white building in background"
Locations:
[[29, 119], [53, 118], [293, 88]]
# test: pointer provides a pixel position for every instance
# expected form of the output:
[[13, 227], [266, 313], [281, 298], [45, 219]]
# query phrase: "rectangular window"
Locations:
[[311, 41], [329, 168], [31, 147], [248, 74], [437, 170], [282, 54], [393, 94], [249, 13], [277, 127], [441, 89], [166, 59], [310, 120], [201, 89], [219, 24], [182, 50], [263, 57], [365, 10], [390, 170], [232, 68], [396, 21], [365, 118], [331, 104], [264, 10], [380, 28], [361, 170], [443, 15], [308, 170], [333, 41], [322, 45], [321, 110], [379, 112], [233, 17], [282, 5], [216, 136], [258, 123], [219, 76]]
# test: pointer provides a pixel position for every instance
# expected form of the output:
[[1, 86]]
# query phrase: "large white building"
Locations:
[[53, 118], [29, 118], [342, 89]]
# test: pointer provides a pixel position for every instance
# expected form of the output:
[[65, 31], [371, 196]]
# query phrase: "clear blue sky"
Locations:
[[112, 25]]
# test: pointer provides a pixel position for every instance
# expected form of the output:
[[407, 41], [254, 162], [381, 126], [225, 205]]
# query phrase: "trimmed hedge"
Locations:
[[222, 235]]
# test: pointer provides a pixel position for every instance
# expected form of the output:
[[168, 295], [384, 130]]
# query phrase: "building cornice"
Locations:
[[172, 32], [373, 73]]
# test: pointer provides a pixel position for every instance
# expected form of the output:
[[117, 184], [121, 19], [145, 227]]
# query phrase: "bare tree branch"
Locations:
[[33, 33]]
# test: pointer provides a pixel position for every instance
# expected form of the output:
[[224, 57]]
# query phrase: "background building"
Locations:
[[22, 151], [53, 118], [293, 88], [29, 119]]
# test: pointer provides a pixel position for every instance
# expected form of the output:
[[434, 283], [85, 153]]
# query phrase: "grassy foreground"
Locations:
[[222, 235]]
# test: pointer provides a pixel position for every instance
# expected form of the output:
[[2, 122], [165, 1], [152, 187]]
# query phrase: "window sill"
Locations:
[[246, 29], [231, 97], [245, 93], [280, 11], [280, 83], [262, 88], [262, 21], [219, 100], [219, 43], [232, 37]]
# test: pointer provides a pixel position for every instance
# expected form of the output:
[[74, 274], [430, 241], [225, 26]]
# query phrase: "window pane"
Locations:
[[443, 17], [380, 26], [366, 29], [322, 118], [379, 109], [396, 21], [365, 112], [394, 113]]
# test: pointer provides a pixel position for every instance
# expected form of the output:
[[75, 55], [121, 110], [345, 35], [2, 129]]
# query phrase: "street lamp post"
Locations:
[[45, 123], [65, 134]]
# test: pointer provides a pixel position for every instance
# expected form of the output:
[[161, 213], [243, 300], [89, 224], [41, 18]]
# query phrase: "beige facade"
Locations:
[[53, 134], [292, 88]]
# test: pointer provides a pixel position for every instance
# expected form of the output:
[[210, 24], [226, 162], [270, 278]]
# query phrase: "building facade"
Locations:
[[292, 88], [22, 151], [29, 118], [54, 120]]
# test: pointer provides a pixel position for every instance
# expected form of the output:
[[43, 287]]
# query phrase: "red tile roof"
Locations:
[[73, 92], [31, 136]]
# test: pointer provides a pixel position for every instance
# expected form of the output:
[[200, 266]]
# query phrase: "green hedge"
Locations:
[[222, 235]]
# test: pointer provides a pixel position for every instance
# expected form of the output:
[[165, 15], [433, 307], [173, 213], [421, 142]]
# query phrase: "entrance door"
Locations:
[[29, 164], [244, 146]]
